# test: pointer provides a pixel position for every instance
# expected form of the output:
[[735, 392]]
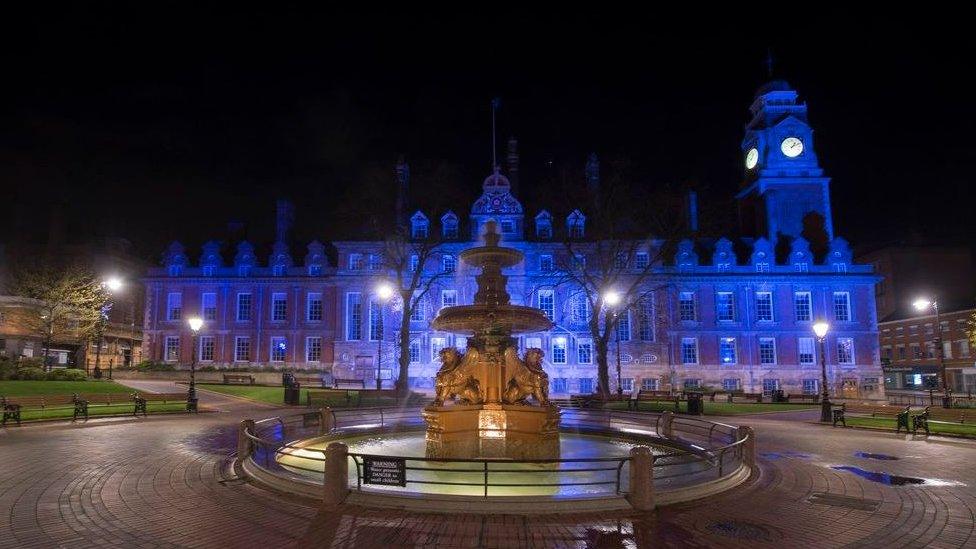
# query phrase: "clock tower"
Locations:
[[784, 192]]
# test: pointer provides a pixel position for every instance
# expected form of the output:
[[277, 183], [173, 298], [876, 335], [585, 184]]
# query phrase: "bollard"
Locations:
[[641, 496], [336, 474], [326, 421], [667, 424], [749, 446], [244, 445]]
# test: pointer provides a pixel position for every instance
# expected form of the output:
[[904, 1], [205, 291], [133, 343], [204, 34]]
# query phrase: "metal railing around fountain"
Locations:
[[708, 451]]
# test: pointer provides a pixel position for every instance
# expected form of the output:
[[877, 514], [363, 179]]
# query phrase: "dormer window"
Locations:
[[575, 225], [314, 270], [419, 226], [543, 225], [278, 270], [449, 263], [356, 262], [175, 270], [449, 226], [208, 270], [507, 226], [375, 262], [243, 270]]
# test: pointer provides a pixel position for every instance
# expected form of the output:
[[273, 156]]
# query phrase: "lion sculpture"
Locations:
[[528, 377], [455, 378]]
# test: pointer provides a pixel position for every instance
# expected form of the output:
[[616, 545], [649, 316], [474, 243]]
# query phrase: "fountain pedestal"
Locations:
[[492, 430]]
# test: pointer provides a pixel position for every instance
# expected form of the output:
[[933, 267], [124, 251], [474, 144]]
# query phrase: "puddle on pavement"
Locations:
[[780, 455], [894, 480], [869, 455]]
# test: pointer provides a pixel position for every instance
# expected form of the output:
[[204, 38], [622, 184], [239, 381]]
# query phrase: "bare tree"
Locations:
[[70, 303]]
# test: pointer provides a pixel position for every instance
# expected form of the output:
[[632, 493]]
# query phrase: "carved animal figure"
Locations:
[[528, 377], [455, 377]]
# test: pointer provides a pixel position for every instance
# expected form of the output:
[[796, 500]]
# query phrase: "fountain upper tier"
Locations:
[[491, 312]]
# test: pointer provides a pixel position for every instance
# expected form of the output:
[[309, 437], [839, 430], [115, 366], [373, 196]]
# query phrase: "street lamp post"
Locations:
[[922, 304], [820, 330], [612, 298], [383, 294], [191, 394], [113, 285]]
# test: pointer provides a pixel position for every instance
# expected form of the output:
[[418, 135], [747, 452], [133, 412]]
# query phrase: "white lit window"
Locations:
[[580, 308], [533, 343], [731, 384], [845, 350], [686, 306], [461, 343], [448, 298], [623, 326], [689, 350], [725, 306], [726, 350], [354, 316], [174, 306], [842, 306], [172, 349], [278, 348], [417, 312], [584, 351], [436, 344], [313, 307], [545, 263], [811, 386], [964, 348], [627, 384], [375, 262], [770, 386], [243, 307], [242, 349], [207, 346], [559, 350], [208, 302], [279, 307], [764, 306], [547, 303], [806, 352], [414, 263], [375, 320], [767, 350], [802, 307], [649, 384], [449, 263], [313, 349]]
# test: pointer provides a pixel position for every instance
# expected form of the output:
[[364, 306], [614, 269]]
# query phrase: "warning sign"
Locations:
[[385, 471]]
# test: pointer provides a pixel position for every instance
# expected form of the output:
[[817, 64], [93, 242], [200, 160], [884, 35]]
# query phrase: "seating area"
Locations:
[[339, 383], [244, 379], [15, 406]]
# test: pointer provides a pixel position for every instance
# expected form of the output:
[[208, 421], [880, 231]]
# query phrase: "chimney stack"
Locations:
[[513, 165], [693, 211], [284, 220]]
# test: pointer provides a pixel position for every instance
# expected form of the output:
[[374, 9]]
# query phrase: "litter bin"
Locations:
[[293, 394], [287, 379], [696, 403]]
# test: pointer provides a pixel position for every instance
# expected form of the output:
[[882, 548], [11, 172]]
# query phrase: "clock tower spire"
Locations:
[[785, 194]]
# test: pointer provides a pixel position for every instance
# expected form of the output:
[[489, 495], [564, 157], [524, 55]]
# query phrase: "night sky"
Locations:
[[156, 126]]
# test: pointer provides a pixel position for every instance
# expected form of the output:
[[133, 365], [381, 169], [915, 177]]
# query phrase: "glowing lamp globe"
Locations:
[[384, 291], [921, 304], [195, 323], [611, 298], [114, 284], [820, 329]]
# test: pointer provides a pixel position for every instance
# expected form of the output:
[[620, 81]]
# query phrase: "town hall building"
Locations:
[[718, 314]]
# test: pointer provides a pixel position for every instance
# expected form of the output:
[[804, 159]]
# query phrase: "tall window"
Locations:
[[313, 307], [356, 262], [764, 306], [584, 351], [842, 306], [576, 230], [802, 307], [417, 312], [649, 384], [313, 349], [414, 263], [375, 262], [686, 306], [726, 350], [805, 350], [641, 260], [415, 351], [242, 349], [448, 298], [375, 320], [278, 347], [845, 350], [243, 307], [731, 384], [449, 263], [623, 326], [450, 229], [419, 230], [354, 316], [279, 307], [208, 304], [725, 306], [580, 306], [543, 230], [436, 344], [689, 350], [770, 386], [206, 348], [645, 316], [171, 348], [767, 350], [810, 386], [559, 350], [174, 306], [547, 303], [545, 263]]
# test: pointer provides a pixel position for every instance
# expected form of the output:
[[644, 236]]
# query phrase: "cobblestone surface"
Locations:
[[158, 482]]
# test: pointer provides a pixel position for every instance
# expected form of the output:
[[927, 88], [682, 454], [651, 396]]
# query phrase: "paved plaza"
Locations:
[[161, 482]]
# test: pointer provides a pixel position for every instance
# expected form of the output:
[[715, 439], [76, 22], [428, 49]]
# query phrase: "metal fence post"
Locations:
[[244, 445], [336, 474], [641, 493], [749, 446], [326, 421]]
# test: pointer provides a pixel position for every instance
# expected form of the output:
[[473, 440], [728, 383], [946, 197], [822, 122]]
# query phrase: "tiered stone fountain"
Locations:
[[490, 402]]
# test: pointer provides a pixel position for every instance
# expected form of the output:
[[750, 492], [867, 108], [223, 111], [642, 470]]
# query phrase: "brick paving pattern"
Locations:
[[161, 482]]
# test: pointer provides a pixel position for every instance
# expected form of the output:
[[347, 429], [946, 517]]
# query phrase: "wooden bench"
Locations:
[[13, 406], [311, 381], [657, 396], [803, 398], [901, 415], [357, 383], [951, 415], [745, 397], [238, 378]]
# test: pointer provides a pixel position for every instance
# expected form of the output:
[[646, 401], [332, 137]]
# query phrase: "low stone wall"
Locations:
[[260, 378]]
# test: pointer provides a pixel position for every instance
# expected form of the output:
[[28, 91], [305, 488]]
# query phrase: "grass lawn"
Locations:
[[31, 388], [935, 427], [99, 410], [715, 408], [276, 395]]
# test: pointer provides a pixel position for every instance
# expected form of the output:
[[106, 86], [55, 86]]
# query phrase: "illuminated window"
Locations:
[[585, 385], [243, 307], [375, 262], [174, 306], [448, 298], [559, 350], [811, 386], [415, 351], [375, 320], [207, 346], [278, 348], [354, 316], [414, 263], [686, 306], [764, 306], [649, 384], [627, 384], [842, 306], [623, 326], [689, 350], [171, 348], [584, 351], [770, 386], [802, 307], [731, 384], [642, 260], [545, 263], [645, 316], [725, 306], [845, 350], [242, 349], [356, 262], [726, 350], [436, 344], [580, 308], [208, 302], [449, 263], [279, 307], [547, 303], [806, 350], [313, 349], [767, 350], [313, 307]]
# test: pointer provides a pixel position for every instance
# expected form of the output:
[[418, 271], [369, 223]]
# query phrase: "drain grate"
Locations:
[[849, 502], [737, 529]]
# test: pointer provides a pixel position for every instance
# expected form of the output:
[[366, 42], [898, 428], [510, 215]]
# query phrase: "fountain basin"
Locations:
[[474, 319]]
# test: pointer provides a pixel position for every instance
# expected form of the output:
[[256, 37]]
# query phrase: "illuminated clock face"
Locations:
[[752, 158], [792, 147]]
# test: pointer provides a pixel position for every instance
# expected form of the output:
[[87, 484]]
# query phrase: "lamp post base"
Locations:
[[825, 412]]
